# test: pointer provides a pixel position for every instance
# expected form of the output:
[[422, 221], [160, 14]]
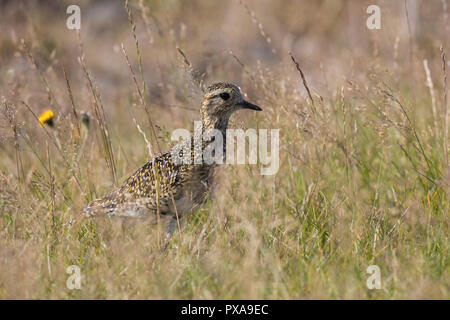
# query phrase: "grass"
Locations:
[[364, 173]]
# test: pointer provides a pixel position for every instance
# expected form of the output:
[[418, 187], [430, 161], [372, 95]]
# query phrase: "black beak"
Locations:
[[247, 105]]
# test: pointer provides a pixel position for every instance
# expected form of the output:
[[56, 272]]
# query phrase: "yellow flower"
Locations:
[[46, 117]]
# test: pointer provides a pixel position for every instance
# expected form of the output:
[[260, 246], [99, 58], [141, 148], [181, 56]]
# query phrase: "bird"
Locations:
[[166, 188]]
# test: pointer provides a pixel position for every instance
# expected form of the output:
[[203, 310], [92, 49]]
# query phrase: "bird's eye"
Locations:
[[225, 95]]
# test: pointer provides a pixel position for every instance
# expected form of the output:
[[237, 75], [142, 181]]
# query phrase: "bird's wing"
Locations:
[[150, 186]]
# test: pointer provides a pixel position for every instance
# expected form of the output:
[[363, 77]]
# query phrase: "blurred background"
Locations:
[[328, 38]]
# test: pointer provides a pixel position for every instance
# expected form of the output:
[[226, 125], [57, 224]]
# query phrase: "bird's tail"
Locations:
[[99, 207]]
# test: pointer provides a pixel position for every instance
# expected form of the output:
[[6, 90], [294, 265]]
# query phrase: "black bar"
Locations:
[[224, 309]]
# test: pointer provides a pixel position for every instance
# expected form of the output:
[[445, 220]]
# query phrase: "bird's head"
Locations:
[[222, 99]]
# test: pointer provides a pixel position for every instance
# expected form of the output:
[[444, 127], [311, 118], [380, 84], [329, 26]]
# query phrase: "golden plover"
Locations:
[[176, 187]]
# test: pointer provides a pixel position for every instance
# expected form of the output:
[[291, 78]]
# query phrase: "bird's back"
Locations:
[[158, 184]]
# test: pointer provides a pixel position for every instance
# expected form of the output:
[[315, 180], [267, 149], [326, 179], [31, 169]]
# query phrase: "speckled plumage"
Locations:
[[187, 182]]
